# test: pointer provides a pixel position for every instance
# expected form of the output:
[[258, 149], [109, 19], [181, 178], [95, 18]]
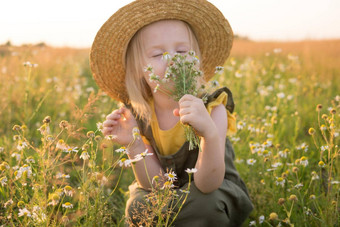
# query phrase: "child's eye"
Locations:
[[157, 55], [182, 51]]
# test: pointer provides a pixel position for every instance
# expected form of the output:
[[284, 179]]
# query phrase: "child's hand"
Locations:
[[120, 124], [192, 111]]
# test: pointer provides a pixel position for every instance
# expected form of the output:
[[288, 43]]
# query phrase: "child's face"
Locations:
[[170, 36]]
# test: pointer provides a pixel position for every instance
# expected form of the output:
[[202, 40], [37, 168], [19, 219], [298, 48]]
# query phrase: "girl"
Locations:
[[137, 35]]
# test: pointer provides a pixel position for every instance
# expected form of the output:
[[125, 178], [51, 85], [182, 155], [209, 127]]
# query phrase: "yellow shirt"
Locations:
[[170, 141]]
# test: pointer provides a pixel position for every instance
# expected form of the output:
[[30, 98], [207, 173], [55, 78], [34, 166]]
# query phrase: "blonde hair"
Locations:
[[137, 87]]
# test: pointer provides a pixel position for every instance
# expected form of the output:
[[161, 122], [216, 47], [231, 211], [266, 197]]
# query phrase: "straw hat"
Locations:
[[107, 57]]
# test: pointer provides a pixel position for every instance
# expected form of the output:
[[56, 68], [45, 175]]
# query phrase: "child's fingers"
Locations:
[[107, 131], [176, 112], [109, 123], [115, 115]]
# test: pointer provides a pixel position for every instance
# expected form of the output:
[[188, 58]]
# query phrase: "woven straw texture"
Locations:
[[107, 57]]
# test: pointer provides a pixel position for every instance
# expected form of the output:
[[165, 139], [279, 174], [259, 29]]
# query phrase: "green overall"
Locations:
[[229, 205]]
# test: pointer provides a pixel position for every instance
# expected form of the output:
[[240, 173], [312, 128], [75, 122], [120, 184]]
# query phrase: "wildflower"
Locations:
[[84, 155], [136, 133], [168, 184], [3, 181], [251, 161], [312, 197], [277, 50], [276, 164], [318, 107], [71, 149], [67, 205], [315, 176], [308, 211], [63, 124], [280, 181], [333, 111], [16, 128], [281, 201], [4, 165], [273, 216], [143, 155], [323, 148], [241, 125], [323, 127], [111, 137], [238, 74], [219, 70], [90, 134], [297, 186], [171, 176], [61, 175], [153, 77], [156, 88], [184, 191], [281, 95], [100, 126], [25, 171], [49, 138], [124, 161], [193, 170], [293, 198], [38, 217], [304, 161], [166, 56], [284, 153], [68, 190], [29, 64], [252, 223], [148, 68], [295, 169], [239, 160], [44, 129], [311, 131], [30, 159], [9, 202], [335, 182], [21, 145], [61, 145], [122, 150], [24, 212], [261, 219], [321, 164], [1, 149]]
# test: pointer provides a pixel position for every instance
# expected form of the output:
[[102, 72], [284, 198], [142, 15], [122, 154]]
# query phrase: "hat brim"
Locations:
[[107, 57]]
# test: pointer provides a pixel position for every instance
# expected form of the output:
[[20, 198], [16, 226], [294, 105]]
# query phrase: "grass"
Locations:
[[287, 145]]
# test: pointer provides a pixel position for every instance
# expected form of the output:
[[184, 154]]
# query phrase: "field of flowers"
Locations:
[[57, 169]]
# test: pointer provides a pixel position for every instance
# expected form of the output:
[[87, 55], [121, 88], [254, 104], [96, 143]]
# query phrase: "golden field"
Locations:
[[287, 97]]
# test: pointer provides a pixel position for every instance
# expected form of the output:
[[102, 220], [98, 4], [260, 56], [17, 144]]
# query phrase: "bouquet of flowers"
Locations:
[[182, 77]]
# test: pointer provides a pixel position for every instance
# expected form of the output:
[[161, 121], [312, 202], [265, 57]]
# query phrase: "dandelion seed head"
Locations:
[[293, 198], [273, 216]]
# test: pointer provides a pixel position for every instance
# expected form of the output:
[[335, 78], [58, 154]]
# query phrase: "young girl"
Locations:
[[137, 35]]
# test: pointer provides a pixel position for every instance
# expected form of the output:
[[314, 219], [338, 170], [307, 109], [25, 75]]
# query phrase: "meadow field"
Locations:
[[57, 169]]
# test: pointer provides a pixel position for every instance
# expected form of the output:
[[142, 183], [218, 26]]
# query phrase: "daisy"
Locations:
[[84, 155], [24, 212], [193, 170], [251, 161], [124, 162], [68, 205], [68, 190], [171, 176], [280, 181]]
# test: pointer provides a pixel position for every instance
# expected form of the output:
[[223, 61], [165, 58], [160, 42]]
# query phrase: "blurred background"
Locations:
[[75, 23]]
